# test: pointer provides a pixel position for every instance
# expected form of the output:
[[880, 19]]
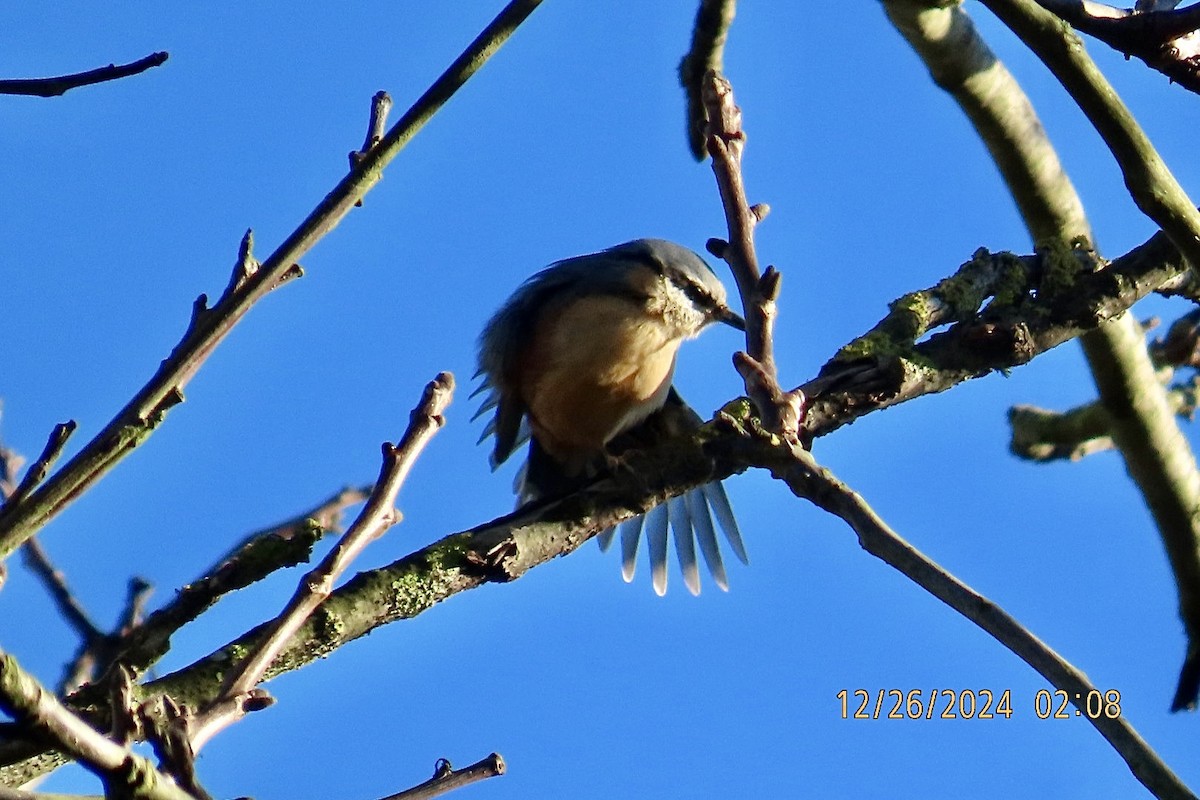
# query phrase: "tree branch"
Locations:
[[250, 283], [1156, 453], [1165, 40], [1150, 183], [782, 411], [53, 87], [807, 479], [1144, 428], [376, 517], [713, 18], [446, 778], [122, 771]]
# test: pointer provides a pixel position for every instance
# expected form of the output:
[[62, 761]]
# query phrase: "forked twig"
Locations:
[[377, 516]]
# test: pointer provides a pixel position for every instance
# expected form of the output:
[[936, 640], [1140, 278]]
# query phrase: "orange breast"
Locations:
[[594, 370]]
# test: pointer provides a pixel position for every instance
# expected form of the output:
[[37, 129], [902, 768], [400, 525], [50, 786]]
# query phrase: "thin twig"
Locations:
[[56, 585], [37, 471], [53, 87], [381, 105], [782, 411], [377, 516], [209, 327], [446, 778]]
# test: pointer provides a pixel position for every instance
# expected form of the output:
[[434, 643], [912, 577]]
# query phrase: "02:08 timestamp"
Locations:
[[973, 704]]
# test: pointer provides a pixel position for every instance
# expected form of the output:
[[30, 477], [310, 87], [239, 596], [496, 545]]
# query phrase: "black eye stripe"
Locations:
[[695, 292]]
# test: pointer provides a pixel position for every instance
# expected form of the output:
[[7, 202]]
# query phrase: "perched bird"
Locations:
[[583, 353]]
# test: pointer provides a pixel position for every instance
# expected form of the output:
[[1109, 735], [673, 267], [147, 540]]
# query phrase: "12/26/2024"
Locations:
[[973, 704]]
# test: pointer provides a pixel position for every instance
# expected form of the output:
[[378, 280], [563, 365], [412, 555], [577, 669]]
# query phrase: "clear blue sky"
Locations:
[[126, 200]]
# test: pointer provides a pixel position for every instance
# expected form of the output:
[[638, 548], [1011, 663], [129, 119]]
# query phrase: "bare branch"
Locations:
[[782, 411], [1166, 40], [807, 479], [446, 778], [706, 54], [30, 704], [1042, 435], [377, 516], [1155, 452], [1150, 183], [37, 471], [53, 87], [209, 327]]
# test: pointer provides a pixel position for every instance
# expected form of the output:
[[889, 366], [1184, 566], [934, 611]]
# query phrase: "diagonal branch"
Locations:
[[376, 517], [1150, 182], [1156, 454], [447, 779], [807, 479], [1166, 40], [249, 284], [53, 87]]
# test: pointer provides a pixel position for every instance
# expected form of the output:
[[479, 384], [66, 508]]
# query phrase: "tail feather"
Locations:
[[656, 543], [718, 501], [685, 542], [631, 535], [605, 538], [706, 537], [489, 402]]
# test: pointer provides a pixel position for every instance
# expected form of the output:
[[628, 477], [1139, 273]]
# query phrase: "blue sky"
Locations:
[[126, 200]]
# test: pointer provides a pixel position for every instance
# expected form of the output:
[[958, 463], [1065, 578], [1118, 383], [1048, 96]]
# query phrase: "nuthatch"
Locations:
[[583, 352]]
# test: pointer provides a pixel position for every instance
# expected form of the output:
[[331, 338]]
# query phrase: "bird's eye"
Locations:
[[695, 292]]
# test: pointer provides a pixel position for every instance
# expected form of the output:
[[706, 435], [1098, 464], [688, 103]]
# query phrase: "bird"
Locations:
[[583, 353]]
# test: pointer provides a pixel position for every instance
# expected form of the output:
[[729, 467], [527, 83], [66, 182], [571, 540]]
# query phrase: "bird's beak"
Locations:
[[729, 317]]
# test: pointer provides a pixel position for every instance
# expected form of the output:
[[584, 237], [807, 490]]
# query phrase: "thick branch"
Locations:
[[1165, 40], [1156, 453]]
